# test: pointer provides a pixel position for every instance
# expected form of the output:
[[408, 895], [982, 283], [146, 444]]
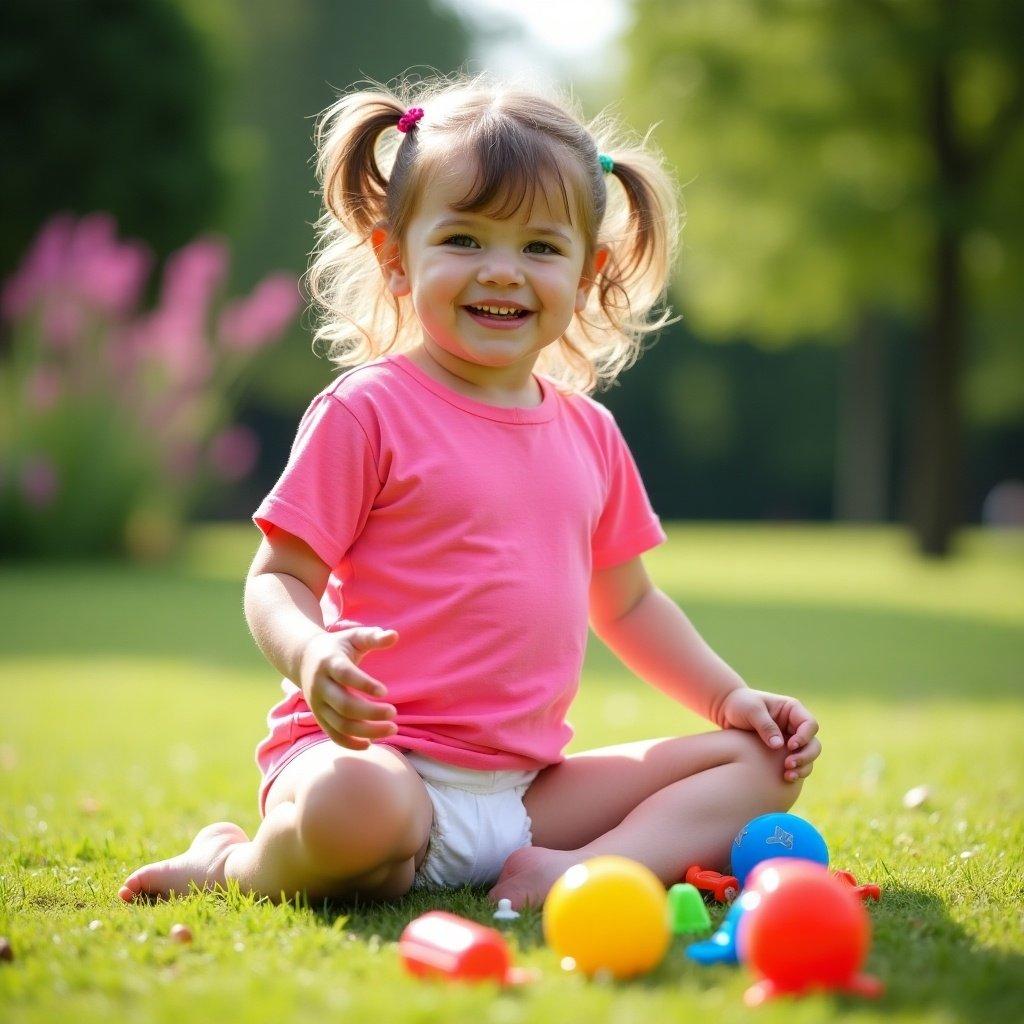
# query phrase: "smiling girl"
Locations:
[[456, 509]]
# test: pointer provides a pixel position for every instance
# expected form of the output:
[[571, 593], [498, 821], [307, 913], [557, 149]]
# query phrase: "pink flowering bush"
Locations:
[[115, 420]]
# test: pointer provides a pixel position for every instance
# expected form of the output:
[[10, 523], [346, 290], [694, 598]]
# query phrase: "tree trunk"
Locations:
[[935, 471], [861, 478]]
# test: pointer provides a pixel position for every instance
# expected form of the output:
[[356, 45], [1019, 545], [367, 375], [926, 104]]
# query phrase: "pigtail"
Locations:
[[356, 146], [641, 228], [347, 135]]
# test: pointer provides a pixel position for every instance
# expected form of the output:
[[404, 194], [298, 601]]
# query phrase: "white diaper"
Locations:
[[479, 819]]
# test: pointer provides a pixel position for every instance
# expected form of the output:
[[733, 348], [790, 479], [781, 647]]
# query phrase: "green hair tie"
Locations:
[[607, 163]]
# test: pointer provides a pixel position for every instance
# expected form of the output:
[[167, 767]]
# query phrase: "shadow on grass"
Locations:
[[884, 654], [924, 957]]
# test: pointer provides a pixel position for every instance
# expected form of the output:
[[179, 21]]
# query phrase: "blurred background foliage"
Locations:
[[852, 172], [850, 345]]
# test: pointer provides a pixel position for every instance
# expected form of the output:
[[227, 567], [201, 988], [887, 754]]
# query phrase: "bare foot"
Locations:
[[528, 874], [202, 863]]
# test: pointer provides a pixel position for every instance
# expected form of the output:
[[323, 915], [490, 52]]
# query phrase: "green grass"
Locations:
[[133, 700]]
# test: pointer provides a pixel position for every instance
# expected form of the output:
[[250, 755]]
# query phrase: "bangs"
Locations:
[[511, 164]]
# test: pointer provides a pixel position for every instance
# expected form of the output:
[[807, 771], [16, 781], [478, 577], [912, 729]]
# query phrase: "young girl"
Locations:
[[455, 508]]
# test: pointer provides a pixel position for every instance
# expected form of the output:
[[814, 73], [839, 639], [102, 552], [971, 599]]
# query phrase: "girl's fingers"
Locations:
[[807, 728], [344, 673], [355, 730], [368, 730], [764, 725], [804, 756], [330, 721], [348, 705]]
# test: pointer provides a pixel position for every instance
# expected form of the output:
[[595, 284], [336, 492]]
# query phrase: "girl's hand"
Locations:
[[779, 721], [330, 680]]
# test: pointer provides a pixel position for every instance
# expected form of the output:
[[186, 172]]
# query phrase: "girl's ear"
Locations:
[[389, 256], [599, 259]]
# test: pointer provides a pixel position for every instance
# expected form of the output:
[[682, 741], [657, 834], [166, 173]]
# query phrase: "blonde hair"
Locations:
[[370, 172]]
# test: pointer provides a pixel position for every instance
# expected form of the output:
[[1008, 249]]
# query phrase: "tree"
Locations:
[[107, 105], [847, 164]]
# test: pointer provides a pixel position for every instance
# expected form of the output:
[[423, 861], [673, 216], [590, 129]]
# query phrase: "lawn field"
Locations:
[[133, 699]]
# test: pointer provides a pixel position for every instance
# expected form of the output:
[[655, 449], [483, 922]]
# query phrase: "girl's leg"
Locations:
[[668, 803], [338, 822]]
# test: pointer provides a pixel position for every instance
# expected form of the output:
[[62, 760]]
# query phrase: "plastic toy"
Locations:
[[775, 835], [505, 911], [724, 888], [721, 947], [610, 914], [443, 945], [868, 891], [803, 929], [686, 911]]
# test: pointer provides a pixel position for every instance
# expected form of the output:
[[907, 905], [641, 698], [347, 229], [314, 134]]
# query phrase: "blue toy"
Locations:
[[721, 947], [775, 835]]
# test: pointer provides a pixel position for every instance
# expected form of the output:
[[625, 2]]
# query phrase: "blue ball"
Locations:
[[775, 835]]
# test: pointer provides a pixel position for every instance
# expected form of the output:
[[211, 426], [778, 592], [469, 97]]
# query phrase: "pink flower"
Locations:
[[176, 344], [43, 389], [191, 277], [62, 322], [41, 268], [175, 333], [39, 481], [233, 452], [250, 323], [78, 262], [107, 274]]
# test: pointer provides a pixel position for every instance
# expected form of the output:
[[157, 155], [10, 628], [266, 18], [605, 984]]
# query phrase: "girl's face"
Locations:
[[452, 263]]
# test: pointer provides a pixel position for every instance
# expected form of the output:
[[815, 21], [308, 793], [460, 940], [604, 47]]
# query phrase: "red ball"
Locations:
[[803, 928]]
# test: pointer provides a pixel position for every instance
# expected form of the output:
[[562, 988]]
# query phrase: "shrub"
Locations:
[[114, 421]]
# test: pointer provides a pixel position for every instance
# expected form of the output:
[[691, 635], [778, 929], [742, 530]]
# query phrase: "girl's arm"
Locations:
[[651, 636], [282, 607], [282, 600]]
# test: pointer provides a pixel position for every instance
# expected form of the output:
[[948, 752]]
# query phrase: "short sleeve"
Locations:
[[328, 485], [628, 525]]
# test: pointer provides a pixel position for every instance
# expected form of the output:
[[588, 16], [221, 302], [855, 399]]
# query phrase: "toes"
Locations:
[[139, 884]]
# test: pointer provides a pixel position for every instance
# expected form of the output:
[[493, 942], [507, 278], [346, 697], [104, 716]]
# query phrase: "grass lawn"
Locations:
[[133, 699]]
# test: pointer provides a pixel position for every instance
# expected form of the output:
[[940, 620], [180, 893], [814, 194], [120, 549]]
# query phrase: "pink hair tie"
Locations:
[[409, 118]]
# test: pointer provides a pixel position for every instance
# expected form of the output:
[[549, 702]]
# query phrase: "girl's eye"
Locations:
[[457, 240]]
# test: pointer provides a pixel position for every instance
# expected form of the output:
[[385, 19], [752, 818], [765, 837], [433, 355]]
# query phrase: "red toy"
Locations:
[[867, 891], [804, 929], [724, 888], [442, 945]]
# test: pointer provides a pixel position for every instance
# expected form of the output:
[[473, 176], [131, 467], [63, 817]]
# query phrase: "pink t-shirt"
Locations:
[[472, 530]]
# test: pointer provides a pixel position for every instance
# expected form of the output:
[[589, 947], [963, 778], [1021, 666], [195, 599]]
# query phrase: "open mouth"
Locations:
[[490, 314]]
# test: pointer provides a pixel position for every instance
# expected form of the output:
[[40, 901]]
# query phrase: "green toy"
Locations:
[[686, 911]]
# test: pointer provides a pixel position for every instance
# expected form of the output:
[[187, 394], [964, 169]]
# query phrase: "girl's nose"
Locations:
[[500, 271]]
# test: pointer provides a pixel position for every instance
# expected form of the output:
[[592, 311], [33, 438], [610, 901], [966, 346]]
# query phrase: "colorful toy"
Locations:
[[863, 892], [505, 911], [775, 835], [721, 947], [443, 945], [686, 910], [610, 914], [868, 891], [723, 888], [803, 929]]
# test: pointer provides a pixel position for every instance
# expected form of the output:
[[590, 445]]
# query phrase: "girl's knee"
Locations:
[[357, 815], [766, 768]]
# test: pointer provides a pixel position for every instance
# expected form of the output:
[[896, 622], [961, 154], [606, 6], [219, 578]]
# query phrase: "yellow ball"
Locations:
[[608, 913]]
